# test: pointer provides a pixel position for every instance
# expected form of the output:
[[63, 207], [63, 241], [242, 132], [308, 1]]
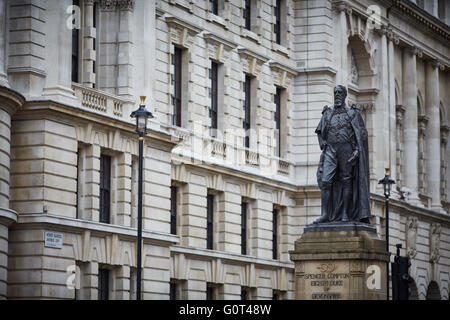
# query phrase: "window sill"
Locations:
[[211, 17], [250, 35], [280, 48]]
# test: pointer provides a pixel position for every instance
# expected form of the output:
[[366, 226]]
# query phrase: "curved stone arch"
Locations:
[[364, 59], [433, 291], [421, 109]]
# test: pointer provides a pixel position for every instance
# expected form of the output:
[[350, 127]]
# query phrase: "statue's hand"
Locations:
[[354, 156], [323, 146]]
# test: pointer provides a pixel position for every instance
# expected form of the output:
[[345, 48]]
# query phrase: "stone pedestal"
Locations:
[[340, 261]]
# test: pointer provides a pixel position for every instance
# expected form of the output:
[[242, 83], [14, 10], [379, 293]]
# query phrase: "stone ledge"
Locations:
[[7, 216]]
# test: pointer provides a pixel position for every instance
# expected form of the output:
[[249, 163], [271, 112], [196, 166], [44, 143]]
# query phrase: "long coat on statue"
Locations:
[[360, 207]]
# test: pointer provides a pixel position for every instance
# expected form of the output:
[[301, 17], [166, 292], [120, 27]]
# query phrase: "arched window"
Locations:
[[433, 292]]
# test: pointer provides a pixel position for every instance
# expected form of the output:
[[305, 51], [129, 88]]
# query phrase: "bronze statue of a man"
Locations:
[[343, 173]]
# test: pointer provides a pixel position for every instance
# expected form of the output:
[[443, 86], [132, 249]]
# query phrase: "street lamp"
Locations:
[[141, 115], [387, 182]]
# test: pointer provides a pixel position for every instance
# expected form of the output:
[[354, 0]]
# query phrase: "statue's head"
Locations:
[[340, 93]]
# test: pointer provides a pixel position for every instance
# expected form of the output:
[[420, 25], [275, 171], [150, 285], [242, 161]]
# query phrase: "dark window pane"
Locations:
[[209, 221], [75, 48], [274, 234], [214, 6], [209, 292], [173, 291], [275, 296], [103, 284], [177, 86], [173, 209], [278, 119], [247, 13], [244, 294], [247, 109], [213, 96], [105, 188], [277, 26], [244, 228]]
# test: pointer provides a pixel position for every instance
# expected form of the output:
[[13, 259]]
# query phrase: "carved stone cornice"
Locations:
[[281, 73], [181, 32], [251, 61], [218, 47], [408, 9]]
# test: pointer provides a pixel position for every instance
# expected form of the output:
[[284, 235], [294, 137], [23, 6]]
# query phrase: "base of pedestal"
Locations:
[[340, 261]]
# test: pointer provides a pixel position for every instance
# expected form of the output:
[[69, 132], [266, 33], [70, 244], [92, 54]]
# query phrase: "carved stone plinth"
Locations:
[[340, 261]]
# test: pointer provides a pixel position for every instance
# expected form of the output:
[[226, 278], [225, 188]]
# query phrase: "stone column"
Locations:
[[58, 81], [124, 54], [392, 108], [410, 131], [4, 30], [433, 139], [89, 34]]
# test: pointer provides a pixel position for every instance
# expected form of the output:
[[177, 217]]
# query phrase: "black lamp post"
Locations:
[[141, 115], [387, 182]]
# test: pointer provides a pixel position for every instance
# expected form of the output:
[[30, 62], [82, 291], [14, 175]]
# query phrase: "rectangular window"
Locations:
[[275, 234], [103, 284], [244, 228], [173, 290], [75, 45], [277, 26], [278, 121], [247, 14], [94, 44], [209, 292], [173, 209], [213, 76], [177, 86], [210, 222], [244, 294], [247, 109], [275, 296], [78, 183], [214, 6], [105, 188]]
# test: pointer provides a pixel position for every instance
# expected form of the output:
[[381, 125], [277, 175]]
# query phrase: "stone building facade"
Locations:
[[237, 88]]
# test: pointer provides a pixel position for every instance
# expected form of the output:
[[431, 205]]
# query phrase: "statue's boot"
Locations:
[[326, 192], [347, 195]]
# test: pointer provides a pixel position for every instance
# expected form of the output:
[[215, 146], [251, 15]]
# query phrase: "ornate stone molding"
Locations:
[[435, 240], [181, 32], [399, 112], [248, 190], [218, 48], [251, 61], [413, 50], [435, 63], [444, 134], [282, 75], [111, 5], [215, 182], [423, 121], [412, 225]]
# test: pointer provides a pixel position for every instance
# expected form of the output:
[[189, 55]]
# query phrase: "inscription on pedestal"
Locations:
[[326, 281]]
